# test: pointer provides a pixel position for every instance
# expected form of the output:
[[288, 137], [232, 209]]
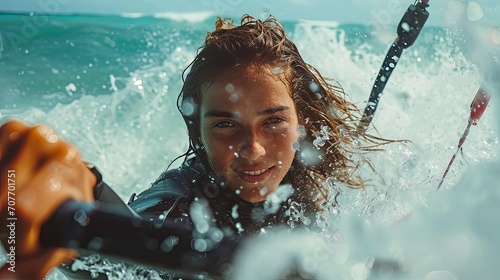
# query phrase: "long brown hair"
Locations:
[[327, 118]]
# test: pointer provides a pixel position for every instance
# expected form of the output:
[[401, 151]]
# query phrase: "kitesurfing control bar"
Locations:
[[102, 228], [408, 30]]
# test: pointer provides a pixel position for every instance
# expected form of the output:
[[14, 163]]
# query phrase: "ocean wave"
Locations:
[[133, 15], [323, 23], [194, 17]]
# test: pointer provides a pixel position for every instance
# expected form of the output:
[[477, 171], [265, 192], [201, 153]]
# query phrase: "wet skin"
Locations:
[[249, 125]]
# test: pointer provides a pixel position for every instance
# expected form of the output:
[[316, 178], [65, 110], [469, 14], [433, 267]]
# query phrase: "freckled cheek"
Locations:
[[283, 146], [284, 138], [219, 153]]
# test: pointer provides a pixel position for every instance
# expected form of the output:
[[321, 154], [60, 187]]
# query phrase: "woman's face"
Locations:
[[248, 126]]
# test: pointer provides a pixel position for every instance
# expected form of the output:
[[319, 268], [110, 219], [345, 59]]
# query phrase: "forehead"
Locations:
[[251, 83]]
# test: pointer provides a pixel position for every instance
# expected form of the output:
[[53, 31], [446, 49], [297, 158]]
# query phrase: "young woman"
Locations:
[[259, 118]]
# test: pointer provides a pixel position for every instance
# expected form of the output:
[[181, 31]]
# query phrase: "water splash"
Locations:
[[426, 101]]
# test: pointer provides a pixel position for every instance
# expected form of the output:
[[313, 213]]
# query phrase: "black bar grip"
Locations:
[[103, 229]]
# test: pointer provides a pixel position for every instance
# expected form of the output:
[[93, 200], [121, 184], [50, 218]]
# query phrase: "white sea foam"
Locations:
[[133, 15], [399, 225], [324, 23], [193, 17]]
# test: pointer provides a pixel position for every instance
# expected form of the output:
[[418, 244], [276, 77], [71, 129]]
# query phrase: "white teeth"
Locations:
[[258, 172]]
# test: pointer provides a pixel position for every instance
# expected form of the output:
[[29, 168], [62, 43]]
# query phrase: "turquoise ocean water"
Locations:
[[109, 84]]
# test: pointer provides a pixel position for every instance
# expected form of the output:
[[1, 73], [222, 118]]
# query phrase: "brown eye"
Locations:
[[223, 124], [275, 120]]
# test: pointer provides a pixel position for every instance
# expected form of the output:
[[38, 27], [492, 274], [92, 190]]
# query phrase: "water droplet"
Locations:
[[239, 228], [318, 142], [234, 212], [263, 191], [55, 184], [277, 70], [359, 272], [169, 243], [474, 11], [313, 86], [229, 88], [14, 136], [201, 215], [274, 200], [81, 217], [200, 245], [235, 96], [95, 243], [405, 26], [202, 226], [216, 235], [187, 108], [70, 88], [310, 156]]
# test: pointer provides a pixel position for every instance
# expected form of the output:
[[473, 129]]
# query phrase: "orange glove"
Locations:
[[38, 172]]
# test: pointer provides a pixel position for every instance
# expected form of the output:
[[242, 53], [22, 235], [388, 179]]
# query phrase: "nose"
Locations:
[[251, 147]]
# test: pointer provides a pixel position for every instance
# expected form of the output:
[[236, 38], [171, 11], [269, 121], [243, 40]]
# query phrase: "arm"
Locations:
[[47, 172]]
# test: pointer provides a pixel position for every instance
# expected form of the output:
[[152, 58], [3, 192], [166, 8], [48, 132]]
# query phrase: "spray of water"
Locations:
[[399, 227]]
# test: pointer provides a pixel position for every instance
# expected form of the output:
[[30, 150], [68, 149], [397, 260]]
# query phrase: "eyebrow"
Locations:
[[224, 114], [273, 110]]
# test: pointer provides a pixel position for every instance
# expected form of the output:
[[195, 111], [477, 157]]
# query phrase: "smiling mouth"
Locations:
[[255, 176], [258, 172]]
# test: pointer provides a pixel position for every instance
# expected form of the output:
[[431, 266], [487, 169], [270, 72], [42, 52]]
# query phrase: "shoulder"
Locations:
[[170, 188]]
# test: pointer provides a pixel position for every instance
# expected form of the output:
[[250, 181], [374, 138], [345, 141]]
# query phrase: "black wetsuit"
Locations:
[[173, 194], [171, 198]]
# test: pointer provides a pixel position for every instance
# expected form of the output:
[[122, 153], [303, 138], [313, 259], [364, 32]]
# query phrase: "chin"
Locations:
[[253, 195]]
